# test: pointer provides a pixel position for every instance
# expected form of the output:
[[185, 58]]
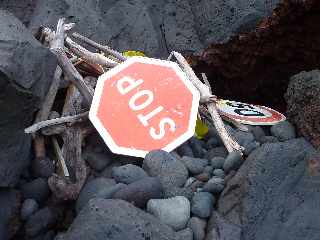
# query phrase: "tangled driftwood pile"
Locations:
[[79, 67]]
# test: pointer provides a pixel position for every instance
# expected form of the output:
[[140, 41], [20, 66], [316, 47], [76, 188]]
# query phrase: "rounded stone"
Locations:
[[233, 161], [97, 160], [140, 192], [202, 204], [40, 221], [42, 167], [203, 177], [198, 227], [212, 142], [208, 170], [186, 192], [175, 212], [185, 234], [258, 133], [284, 131], [185, 150], [97, 188], [37, 189], [29, 206], [217, 162], [214, 185], [196, 146], [194, 165], [219, 173], [171, 171], [216, 152], [128, 173]]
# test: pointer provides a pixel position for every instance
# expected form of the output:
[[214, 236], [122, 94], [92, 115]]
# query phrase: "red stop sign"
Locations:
[[144, 104]]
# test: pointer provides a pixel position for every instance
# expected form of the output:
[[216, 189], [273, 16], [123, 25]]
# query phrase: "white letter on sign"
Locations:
[[131, 84], [144, 119], [132, 102], [163, 122]]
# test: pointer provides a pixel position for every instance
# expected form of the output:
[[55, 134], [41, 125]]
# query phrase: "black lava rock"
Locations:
[[215, 185], [194, 165], [140, 192], [97, 188], [171, 171], [284, 131]]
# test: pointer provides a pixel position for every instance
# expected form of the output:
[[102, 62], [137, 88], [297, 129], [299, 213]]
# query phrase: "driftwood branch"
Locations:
[[95, 58], [57, 121], [60, 158], [107, 50], [69, 188], [205, 92], [56, 42]]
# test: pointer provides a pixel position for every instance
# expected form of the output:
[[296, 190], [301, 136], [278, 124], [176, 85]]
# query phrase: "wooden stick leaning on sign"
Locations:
[[206, 96]]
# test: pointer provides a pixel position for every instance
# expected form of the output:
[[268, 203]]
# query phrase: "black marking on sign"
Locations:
[[246, 110]]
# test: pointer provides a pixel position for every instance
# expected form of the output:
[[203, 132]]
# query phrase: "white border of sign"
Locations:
[[131, 151]]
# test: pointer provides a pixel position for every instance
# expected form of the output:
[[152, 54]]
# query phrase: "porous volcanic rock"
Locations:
[[273, 195], [116, 220], [154, 26], [303, 99]]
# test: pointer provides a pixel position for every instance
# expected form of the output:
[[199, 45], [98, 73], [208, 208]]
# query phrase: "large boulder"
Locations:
[[154, 26], [303, 99], [273, 195], [26, 68], [116, 220]]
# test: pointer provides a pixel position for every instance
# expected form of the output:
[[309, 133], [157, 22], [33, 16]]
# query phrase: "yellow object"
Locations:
[[201, 129], [133, 53]]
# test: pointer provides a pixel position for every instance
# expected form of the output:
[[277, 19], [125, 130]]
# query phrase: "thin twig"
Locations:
[[205, 92], [59, 155], [56, 121], [206, 81], [105, 49]]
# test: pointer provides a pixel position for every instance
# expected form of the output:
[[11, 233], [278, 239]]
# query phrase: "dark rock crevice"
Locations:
[[255, 67]]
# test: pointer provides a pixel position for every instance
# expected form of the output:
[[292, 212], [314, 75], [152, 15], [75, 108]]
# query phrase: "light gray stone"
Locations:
[[175, 212]]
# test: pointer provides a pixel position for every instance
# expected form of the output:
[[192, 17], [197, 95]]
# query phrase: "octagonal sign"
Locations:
[[144, 104]]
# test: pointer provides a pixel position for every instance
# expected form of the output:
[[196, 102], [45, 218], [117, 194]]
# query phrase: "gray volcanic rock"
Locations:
[[26, 67], [194, 165], [128, 173], [284, 131], [154, 26], [273, 196], [97, 188], [171, 171], [116, 220], [173, 211], [140, 192]]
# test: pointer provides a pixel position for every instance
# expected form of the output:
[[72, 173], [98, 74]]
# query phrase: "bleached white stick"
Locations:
[[205, 93]]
